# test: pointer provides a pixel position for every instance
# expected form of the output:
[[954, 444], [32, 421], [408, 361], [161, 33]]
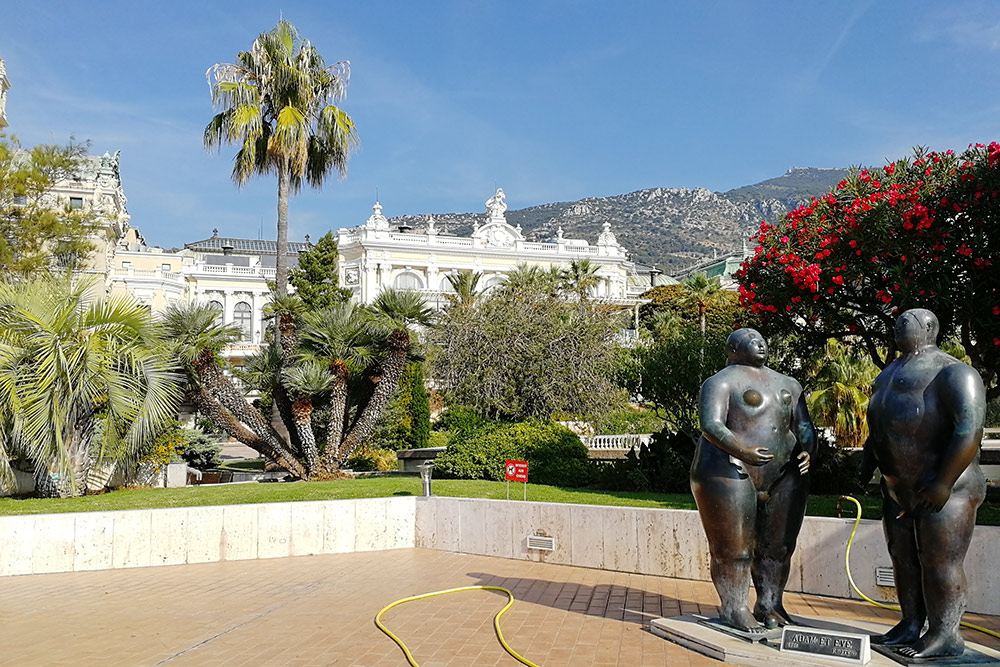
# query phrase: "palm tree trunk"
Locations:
[[281, 261], [302, 412], [338, 406], [392, 372], [218, 387]]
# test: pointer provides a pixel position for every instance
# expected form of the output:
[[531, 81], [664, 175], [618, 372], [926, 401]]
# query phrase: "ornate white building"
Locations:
[[4, 87], [374, 256]]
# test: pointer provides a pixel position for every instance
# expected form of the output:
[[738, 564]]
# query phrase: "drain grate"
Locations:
[[885, 577]]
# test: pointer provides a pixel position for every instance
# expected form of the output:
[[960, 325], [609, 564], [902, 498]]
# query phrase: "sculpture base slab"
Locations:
[[770, 636], [971, 656], [692, 633]]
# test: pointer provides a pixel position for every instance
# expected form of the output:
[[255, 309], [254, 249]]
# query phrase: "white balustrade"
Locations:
[[619, 442]]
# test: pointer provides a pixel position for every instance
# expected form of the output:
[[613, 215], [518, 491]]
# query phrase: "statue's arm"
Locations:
[[869, 462], [713, 410], [963, 393], [805, 433]]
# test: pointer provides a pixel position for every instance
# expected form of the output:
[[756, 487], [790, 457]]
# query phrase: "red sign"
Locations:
[[517, 471]]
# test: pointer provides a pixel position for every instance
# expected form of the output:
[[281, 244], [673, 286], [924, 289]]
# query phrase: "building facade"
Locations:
[[374, 257], [4, 87]]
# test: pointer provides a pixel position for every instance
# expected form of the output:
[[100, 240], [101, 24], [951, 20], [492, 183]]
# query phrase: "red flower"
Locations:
[[838, 280]]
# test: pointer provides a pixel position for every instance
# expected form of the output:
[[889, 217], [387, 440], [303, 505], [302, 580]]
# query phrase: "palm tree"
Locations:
[[76, 379], [396, 313], [845, 380], [464, 285], [702, 292], [277, 103], [196, 340], [344, 340], [306, 381], [580, 278]]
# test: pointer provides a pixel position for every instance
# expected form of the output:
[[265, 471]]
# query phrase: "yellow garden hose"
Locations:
[[847, 566], [496, 620]]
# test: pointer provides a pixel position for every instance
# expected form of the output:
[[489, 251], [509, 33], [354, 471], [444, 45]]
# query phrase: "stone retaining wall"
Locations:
[[667, 543]]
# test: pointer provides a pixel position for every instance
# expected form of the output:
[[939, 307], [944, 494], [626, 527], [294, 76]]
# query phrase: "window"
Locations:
[[217, 306], [76, 203], [20, 200], [164, 267], [408, 281], [243, 318], [126, 265]]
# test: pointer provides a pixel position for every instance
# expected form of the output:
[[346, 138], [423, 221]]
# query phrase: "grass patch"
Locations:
[[244, 464], [398, 485]]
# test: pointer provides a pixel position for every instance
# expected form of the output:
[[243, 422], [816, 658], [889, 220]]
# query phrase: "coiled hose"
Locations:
[[847, 566], [496, 620]]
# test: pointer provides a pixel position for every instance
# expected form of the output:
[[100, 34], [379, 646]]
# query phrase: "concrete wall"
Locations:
[[672, 543], [34, 544], [668, 543]]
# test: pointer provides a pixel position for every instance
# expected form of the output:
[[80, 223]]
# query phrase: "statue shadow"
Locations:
[[627, 604]]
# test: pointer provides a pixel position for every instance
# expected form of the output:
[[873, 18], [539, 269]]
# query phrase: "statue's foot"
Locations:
[[904, 632], [935, 646], [772, 618], [741, 619]]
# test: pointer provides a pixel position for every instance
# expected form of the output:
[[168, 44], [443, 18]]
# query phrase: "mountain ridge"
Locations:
[[671, 228]]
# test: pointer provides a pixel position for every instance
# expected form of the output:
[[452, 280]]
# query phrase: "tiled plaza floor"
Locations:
[[319, 610]]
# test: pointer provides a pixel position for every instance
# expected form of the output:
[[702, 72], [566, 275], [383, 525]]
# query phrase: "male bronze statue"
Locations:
[[925, 422], [749, 479]]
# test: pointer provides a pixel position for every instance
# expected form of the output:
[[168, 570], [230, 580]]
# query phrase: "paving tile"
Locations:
[[317, 610]]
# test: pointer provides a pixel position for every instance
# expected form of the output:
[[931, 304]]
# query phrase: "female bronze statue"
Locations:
[[749, 478]]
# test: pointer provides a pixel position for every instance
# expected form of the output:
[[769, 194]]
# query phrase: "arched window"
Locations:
[[408, 280], [217, 306], [243, 318], [446, 285]]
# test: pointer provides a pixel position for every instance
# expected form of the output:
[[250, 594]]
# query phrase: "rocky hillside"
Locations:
[[668, 227]]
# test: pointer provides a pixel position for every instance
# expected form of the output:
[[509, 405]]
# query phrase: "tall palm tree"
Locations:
[[702, 292], [580, 278], [196, 340], [78, 379], [277, 102]]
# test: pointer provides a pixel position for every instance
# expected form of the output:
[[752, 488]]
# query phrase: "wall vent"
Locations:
[[885, 577], [541, 543]]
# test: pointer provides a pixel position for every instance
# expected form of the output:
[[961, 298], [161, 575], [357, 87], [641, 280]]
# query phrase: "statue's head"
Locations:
[[746, 346], [916, 328]]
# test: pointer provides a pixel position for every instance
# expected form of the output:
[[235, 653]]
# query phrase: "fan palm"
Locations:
[[396, 315], [841, 403], [343, 339], [580, 278], [701, 292], [78, 379], [464, 285], [196, 339], [277, 102]]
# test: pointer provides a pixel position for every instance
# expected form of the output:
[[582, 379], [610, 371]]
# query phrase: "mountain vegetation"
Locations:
[[671, 228]]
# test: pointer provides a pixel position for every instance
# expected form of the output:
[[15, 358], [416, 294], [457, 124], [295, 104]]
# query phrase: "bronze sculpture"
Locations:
[[925, 421], [749, 479]]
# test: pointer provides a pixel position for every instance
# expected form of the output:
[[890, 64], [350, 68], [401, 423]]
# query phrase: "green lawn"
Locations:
[[376, 487]]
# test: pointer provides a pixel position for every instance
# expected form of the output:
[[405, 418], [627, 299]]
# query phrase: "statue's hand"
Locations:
[[757, 456], [932, 495], [804, 459]]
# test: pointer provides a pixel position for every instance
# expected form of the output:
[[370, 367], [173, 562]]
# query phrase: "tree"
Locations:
[[703, 293], [919, 232], [523, 352], [464, 284], [78, 380], [325, 381], [316, 281], [277, 103], [843, 381], [35, 228], [580, 278]]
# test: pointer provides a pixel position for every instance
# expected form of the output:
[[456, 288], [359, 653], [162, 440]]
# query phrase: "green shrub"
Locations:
[[439, 439], [554, 454], [199, 450], [664, 465], [628, 419], [406, 421], [833, 469], [460, 420], [370, 459]]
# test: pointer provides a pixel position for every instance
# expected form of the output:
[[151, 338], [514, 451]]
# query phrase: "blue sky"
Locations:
[[553, 101]]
